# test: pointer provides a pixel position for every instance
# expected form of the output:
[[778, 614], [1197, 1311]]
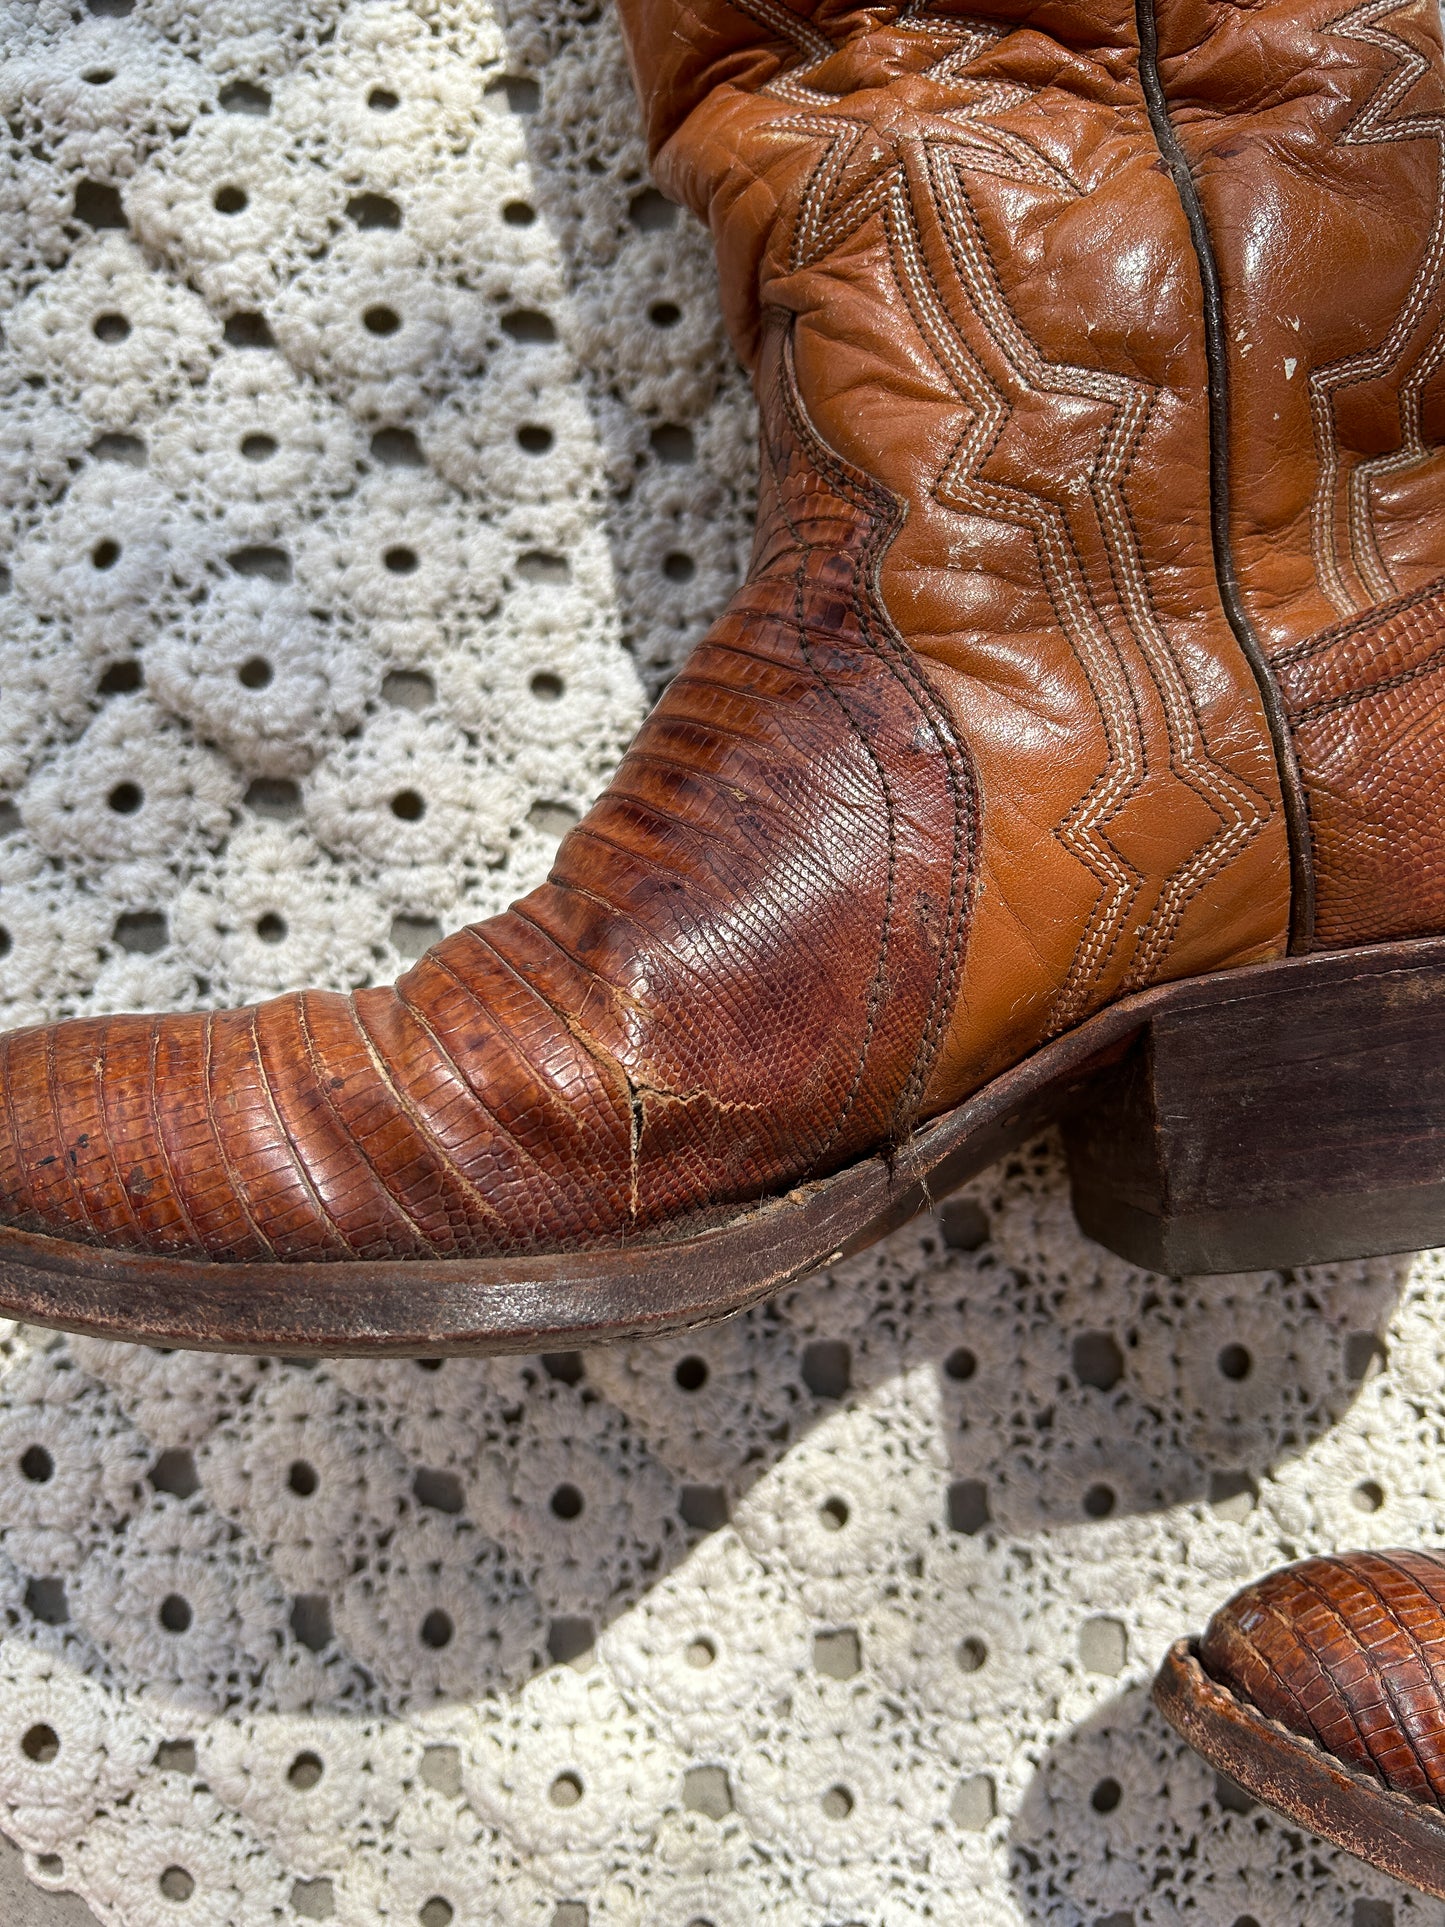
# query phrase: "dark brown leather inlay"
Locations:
[[1366, 700]]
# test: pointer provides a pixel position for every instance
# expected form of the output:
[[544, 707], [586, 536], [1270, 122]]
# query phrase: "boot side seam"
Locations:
[[1292, 788]]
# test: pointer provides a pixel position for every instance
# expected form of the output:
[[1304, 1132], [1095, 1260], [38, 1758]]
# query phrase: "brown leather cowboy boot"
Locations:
[[1001, 782], [1321, 1690]]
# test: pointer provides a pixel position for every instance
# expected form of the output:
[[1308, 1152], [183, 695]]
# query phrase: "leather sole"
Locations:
[[1283, 1114], [1402, 1837]]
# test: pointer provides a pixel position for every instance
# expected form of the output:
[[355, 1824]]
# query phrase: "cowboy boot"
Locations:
[[983, 793], [1321, 1690]]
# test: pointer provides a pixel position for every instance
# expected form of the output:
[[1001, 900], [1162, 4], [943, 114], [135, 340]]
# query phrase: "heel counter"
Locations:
[[1365, 701]]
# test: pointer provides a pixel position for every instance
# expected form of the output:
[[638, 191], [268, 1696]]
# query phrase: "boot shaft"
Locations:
[[1298, 325], [993, 309], [1314, 137]]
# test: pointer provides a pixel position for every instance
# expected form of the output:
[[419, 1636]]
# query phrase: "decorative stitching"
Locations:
[[1378, 616], [828, 216], [788, 26], [1371, 126], [878, 983], [900, 661]]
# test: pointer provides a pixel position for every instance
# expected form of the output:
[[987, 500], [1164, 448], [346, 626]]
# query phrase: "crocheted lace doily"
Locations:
[[371, 450]]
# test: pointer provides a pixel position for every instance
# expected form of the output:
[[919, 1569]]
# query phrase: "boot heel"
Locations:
[[1285, 1115]]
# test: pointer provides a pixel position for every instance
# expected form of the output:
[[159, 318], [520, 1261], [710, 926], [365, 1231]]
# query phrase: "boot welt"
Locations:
[[1297, 1778], [1276, 1115]]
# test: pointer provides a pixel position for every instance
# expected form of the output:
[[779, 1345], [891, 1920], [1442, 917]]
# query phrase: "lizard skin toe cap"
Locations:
[[1348, 1651]]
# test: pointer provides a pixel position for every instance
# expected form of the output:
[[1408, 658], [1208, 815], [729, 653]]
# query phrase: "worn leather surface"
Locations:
[[1348, 1652], [975, 751], [1316, 135]]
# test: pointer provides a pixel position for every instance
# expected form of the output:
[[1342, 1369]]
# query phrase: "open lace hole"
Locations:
[[255, 673], [437, 1629], [142, 932], [175, 1613], [651, 212], [408, 806], [121, 679], [373, 211], [259, 448], [381, 320], [40, 1743], [230, 200], [408, 688], [566, 1502], [176, 1884], [248, 330], [529, 326], [244, 97], [300, 1476], [305, 1771], [397, 448], [125, 799], [565, 1790], [110, 327], [674, 445], [37, 1465]]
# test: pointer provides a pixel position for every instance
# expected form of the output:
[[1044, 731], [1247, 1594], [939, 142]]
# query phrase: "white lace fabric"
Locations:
[[369, 451]]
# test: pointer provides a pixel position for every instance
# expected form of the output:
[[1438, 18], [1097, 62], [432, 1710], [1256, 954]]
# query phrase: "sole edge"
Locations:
[[1296, 1778]]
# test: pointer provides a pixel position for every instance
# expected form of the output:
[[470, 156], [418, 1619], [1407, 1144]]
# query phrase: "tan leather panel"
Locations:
[[1316, 133], [1316, 136]]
